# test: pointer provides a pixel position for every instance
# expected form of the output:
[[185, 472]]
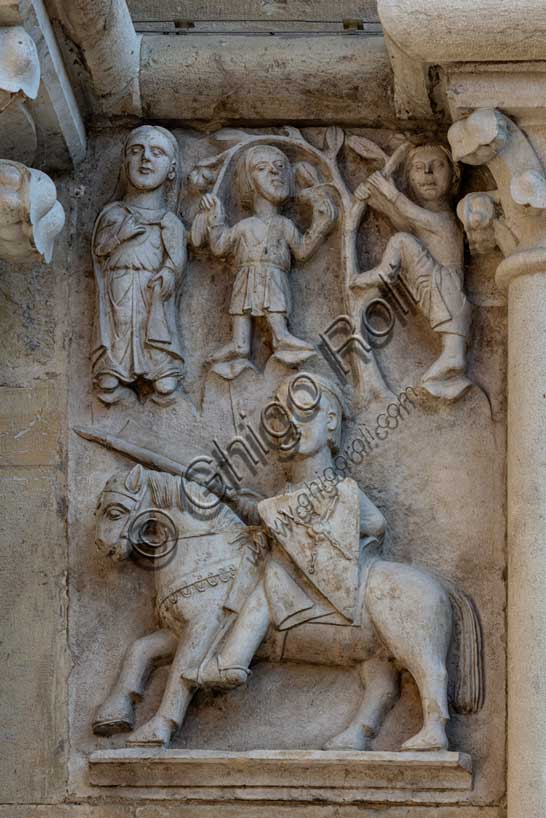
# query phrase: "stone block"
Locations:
[[30, 425]]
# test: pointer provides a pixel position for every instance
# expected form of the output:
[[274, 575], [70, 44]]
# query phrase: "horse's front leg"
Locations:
[[117, 713], [194, 645]]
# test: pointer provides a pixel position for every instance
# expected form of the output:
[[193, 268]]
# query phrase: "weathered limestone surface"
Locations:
[[266, 79], [412, 480], [34, 598], [341, 675]]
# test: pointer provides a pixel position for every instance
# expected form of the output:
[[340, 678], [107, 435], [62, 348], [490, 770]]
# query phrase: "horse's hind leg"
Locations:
[[412, 614], [117, 713], [381, 690]]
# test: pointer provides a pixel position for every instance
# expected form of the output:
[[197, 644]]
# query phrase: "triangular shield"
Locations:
[[321, 534]]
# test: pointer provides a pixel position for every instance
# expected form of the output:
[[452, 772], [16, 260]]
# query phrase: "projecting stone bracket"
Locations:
[[512, 217], [304, 775]]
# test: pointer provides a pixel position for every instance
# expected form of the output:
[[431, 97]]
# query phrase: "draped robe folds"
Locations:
[[135, 332]]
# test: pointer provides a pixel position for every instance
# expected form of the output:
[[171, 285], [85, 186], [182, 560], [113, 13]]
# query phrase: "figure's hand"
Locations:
[[380, 187], [130, 227], [324, 209], [211, 205], [166, 281]]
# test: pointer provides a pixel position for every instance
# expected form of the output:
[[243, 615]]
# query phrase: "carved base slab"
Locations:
[[281, 774]]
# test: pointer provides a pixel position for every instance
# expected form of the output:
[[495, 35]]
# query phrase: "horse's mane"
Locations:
[[168, 491]]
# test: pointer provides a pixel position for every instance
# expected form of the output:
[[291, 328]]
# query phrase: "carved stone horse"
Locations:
[[407, 618]]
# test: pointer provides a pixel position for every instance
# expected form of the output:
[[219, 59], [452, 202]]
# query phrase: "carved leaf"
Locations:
[[333, 140], [232, 135], [294, 133], [306, 175], [367, 149], [198, 233]]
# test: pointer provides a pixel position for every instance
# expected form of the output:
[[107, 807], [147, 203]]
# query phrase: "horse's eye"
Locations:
[[114, 513]]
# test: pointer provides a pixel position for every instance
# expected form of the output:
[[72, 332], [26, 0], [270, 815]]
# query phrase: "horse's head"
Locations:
[[146, 511], [120, 498]]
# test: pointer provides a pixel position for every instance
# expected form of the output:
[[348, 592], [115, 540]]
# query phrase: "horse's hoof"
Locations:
[[427, 740], [157, 732], [349, 739], [116, 715]]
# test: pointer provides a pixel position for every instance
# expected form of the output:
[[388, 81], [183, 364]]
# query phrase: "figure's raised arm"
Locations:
[[304, 245], [221, 237], [382, 194]]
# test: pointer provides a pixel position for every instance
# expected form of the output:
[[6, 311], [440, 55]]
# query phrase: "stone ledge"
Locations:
[[281, 769]]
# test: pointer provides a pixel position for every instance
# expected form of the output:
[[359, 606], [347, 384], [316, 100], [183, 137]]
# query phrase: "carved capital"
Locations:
[[30, 215], [518, 224]]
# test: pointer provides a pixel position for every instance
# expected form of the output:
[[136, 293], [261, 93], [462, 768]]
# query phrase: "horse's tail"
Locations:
[[469, 690]]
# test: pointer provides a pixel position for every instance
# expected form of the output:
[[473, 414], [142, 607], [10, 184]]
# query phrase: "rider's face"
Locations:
[[310, 415]]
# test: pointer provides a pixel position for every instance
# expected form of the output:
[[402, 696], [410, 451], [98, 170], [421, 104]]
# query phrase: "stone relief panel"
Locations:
[[307, 558]]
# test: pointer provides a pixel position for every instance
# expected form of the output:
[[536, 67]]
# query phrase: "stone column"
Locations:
[[489, 137], [527, 543]]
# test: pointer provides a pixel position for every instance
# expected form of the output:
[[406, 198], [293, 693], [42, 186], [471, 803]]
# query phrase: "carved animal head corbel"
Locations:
[[489, 137], [484, 224]]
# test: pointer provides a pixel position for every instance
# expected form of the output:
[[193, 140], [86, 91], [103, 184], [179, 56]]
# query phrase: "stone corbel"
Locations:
[[30, 215], [488, 137], [19, 82]]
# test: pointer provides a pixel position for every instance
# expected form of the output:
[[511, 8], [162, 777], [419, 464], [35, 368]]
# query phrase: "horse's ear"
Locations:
[[134, 479]]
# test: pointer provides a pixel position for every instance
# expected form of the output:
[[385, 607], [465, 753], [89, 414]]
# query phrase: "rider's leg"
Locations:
[[231, 667], [193, 646], [116, 714], [381, 690]]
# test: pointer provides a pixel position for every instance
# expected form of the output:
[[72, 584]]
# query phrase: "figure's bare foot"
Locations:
[[115, 715], [376, 277], [451, 362], [431, 737], [110, 390], [353, 738], [291, 350], [165, 386], [229, 352], [156, 732], [214, 675], [445, 367]]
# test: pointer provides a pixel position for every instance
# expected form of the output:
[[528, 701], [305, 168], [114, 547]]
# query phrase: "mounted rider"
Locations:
[[322, 547]]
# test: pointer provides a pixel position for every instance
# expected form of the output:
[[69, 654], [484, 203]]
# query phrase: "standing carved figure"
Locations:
[[262, 247], [428, 252], [139, 254]]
